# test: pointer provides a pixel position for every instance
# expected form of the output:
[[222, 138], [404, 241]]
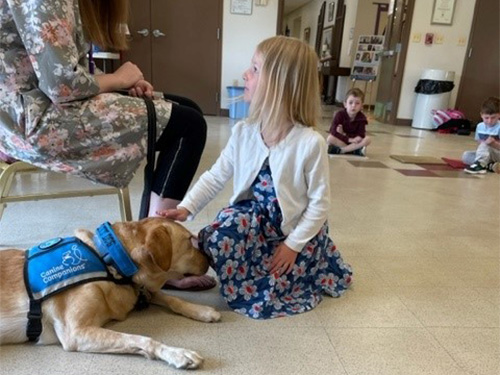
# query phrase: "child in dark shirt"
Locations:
[[347, 133]]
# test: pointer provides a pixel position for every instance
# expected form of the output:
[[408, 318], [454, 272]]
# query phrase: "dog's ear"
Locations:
[[86, 237], [159, 245]]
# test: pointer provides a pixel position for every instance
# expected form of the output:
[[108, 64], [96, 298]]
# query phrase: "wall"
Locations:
[[309, 18], [240, 36], [449, 55]]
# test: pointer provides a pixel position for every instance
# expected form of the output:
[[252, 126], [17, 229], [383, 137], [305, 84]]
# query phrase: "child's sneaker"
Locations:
[[334, 150], [475, 168], [360, 151]]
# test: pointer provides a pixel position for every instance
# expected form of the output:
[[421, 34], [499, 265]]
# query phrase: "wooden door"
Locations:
[[480, 77], [140, 37], [181, 52], [186, 61], [393, 60]]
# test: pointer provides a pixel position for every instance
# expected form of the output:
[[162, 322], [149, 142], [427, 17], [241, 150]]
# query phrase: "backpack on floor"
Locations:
[[441, 116]]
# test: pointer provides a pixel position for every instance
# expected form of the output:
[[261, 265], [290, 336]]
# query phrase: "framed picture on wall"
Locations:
[[331, 11], [307, 35], [442, 12], [326, 43], [241, 7]]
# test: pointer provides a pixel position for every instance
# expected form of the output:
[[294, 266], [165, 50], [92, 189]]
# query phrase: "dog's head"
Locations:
[[159, 247]]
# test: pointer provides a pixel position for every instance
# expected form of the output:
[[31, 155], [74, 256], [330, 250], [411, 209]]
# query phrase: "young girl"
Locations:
[[270, 247]]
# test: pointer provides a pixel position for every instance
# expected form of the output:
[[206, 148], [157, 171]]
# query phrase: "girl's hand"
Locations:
[[142, 88], [179, 214], [128, 75], [283, 260]]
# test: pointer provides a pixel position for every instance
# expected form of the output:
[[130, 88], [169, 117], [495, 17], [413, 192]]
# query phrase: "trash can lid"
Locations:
[[438, 75]]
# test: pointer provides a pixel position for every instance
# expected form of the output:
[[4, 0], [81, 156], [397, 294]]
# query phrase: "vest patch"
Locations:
[[59, 263]]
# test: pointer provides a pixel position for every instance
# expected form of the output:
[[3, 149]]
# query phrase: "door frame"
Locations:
[[463, 94], [397, 80]]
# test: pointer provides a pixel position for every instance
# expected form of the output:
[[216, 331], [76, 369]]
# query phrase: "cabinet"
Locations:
[[177, 45]]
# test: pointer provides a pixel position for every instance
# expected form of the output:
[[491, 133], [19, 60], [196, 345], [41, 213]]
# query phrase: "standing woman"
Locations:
[[58, 116]]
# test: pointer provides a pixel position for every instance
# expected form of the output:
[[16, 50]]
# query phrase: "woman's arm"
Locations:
[[124, 78], [53, 38]]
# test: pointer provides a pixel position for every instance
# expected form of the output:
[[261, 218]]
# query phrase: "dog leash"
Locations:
[[150, 166]]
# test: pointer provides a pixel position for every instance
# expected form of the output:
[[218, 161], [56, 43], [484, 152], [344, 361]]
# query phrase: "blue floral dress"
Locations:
[[240, 244]]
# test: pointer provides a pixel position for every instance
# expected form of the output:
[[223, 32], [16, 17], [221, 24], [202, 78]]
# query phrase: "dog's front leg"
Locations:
[[101, 340], [197, 312]]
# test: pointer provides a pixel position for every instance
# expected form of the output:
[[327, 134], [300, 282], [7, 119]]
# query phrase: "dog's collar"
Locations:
[[112, 251]]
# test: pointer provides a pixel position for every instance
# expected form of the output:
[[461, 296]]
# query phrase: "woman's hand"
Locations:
[[124, 78], [128, 75], [283, 260], [179, 214], [142, 88]]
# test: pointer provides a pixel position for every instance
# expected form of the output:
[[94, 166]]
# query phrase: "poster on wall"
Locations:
[[367, 58]]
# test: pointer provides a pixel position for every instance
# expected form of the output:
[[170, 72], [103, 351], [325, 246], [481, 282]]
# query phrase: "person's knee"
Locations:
[[366, 141], [196, 126], [468, 157]]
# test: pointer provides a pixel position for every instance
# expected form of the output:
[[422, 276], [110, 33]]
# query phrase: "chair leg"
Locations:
[[6, 178], [124, 201]]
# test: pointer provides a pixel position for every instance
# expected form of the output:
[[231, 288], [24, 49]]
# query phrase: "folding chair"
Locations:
[[9, 171]]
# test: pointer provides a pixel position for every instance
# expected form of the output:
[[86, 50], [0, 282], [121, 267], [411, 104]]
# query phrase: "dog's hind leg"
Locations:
[[197, 312], [102, 340]]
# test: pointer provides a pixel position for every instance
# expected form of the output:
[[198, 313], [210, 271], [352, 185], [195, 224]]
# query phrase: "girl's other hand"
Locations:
[[283, 260], [179, 214]]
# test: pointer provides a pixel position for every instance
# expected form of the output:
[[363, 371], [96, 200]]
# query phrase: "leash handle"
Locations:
[[150, 166]]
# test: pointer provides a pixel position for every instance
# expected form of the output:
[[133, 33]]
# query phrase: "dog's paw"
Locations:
[[182, 358], [209, 315]]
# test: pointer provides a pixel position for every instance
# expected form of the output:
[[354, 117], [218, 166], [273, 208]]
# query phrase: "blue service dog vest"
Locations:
[[60, 263], [54, 266]]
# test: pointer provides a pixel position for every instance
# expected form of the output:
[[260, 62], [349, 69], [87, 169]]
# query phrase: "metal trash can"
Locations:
[[237, 107], [433, 92]]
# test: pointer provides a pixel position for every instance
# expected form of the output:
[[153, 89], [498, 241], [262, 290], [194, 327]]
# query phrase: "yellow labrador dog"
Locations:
[[159, 248]]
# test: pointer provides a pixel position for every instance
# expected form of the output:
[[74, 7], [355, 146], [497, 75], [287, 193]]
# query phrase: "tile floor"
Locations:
[[425, 254]]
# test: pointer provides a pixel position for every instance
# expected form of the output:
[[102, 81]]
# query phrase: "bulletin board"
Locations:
[[367, 57]]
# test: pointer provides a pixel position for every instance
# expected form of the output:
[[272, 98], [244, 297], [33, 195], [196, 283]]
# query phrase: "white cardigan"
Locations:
[[299, 168]]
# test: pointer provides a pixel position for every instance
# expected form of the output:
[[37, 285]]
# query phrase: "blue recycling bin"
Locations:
[[237, 107]]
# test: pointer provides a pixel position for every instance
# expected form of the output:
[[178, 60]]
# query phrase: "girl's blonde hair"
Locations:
[[103, 22], [288, 86]]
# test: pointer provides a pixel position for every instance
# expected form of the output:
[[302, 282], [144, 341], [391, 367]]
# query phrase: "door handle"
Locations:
[[143, 32], [157, 33]]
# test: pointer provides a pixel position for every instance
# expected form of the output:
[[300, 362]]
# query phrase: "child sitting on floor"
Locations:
[[487, 155], [347, 133]]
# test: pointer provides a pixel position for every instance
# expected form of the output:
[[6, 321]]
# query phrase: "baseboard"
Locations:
[[224, 112], [404, 121]]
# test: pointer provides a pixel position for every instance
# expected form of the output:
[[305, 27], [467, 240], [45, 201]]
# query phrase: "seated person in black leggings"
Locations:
[[180, 146]]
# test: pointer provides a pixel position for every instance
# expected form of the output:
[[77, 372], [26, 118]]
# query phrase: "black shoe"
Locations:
[[360, 151], [475, 168], [334, 150]]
